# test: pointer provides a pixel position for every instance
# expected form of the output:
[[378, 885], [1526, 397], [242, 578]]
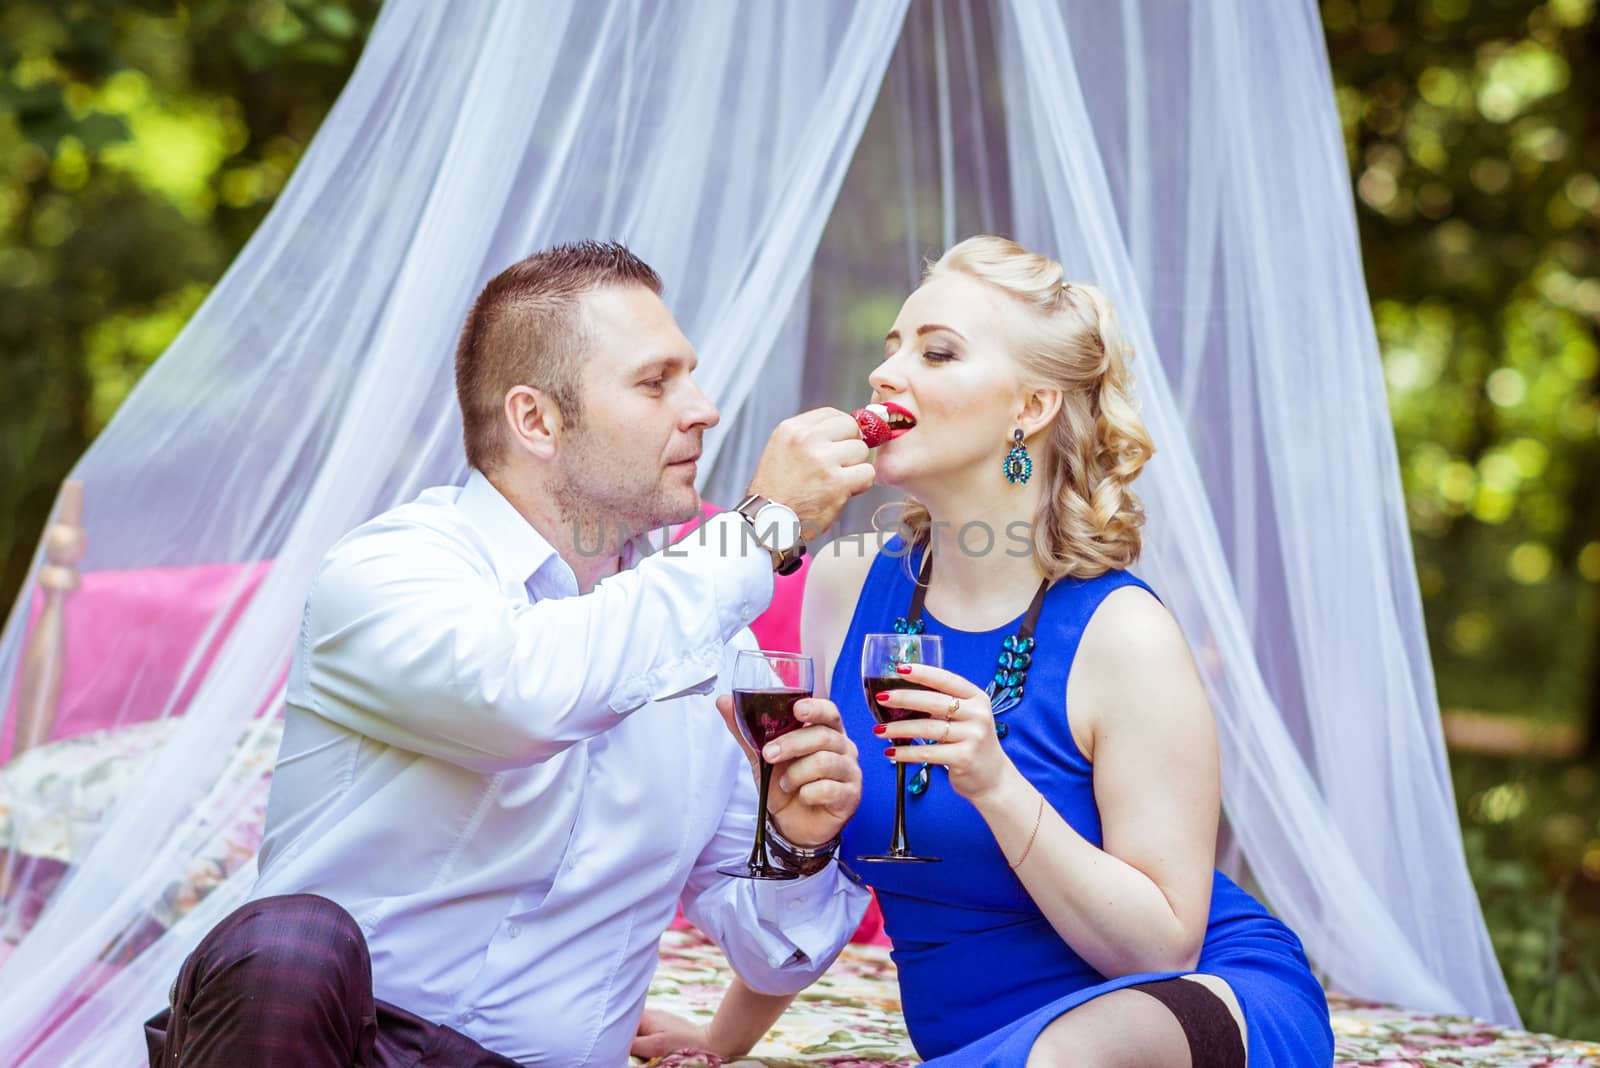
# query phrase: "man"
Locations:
[[501, 766]]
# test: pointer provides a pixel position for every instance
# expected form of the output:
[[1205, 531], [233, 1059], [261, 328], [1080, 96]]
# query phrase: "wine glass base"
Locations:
[[909, 858], [747, 872]]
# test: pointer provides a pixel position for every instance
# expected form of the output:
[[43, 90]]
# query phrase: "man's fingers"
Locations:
[[826, 423], [804, 742], [858, 479], [834, 425], [825, 793], [818, 712], [818, 767], [846, 453]]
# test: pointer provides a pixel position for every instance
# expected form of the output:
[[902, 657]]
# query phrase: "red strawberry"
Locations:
[[874, 428]]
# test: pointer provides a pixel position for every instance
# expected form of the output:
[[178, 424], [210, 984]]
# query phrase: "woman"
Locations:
[[1076, 916]]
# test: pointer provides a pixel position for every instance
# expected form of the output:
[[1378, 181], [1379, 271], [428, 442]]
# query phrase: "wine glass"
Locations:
[[766, 687], [880, 654]]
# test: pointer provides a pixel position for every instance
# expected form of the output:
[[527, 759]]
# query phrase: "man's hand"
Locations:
[[816, 778], [814, 462]]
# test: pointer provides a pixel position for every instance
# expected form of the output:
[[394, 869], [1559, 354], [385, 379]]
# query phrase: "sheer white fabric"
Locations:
[[1211, 199], [786, 167]]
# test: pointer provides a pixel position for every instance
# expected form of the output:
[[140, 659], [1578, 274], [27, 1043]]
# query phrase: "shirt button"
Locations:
[[514, 930]]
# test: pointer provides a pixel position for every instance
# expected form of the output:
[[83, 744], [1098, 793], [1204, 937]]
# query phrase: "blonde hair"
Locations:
[[1089, 519]]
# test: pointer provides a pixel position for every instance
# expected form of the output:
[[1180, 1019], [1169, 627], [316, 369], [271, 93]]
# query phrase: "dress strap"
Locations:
[[919, 594]]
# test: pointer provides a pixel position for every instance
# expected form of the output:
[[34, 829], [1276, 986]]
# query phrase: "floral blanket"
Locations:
[[851, 1018], [54, 800]]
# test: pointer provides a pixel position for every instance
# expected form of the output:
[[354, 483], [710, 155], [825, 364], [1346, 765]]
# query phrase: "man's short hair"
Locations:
[[526, 328]]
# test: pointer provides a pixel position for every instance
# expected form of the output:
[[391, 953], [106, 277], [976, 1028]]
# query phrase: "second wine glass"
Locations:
[[880, 655]]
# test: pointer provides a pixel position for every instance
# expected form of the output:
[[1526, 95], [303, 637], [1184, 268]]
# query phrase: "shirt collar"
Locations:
[[516, 550]]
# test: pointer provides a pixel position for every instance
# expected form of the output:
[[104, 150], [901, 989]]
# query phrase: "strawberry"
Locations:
[[874, 427]]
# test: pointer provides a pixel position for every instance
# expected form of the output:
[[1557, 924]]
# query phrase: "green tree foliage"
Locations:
[[140, 144], [1532, 841], [1473, 128]]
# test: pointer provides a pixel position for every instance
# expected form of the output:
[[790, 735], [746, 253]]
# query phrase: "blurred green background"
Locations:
[[141, 142]]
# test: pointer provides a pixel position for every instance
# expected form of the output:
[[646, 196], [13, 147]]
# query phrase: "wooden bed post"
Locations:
[[44, 653]]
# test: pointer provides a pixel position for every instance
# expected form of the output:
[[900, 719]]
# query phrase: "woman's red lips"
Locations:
[[899, 418]]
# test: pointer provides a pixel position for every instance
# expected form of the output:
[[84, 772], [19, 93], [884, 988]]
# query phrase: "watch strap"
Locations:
[[784, 561]]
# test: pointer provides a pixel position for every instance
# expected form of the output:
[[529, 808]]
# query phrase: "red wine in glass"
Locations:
[[888, 713], [766, 687], [767, 714], [880, 655]]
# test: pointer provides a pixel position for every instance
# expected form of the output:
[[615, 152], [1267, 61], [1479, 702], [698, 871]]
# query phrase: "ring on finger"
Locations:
[[946, 735], [955, 706]]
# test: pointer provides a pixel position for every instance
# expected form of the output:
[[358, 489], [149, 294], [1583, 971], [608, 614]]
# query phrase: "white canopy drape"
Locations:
[[785, 167]]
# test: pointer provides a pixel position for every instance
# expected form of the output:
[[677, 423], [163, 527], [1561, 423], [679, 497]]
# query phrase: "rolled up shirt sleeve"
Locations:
[[420, 650], [778, 936]]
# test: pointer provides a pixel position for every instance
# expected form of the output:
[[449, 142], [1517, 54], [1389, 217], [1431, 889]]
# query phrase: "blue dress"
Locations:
[[982, 972]]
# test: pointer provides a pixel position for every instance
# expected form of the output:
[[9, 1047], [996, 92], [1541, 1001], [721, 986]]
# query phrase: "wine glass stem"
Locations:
[[898, 846], [758, 852]]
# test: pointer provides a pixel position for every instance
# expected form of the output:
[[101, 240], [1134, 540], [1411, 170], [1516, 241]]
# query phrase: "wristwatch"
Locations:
[[777, 530]]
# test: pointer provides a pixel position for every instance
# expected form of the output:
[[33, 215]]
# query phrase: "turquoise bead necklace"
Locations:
[[1011, 669]]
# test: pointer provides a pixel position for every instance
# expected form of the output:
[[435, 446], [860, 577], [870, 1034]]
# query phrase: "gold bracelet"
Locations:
[[1029, 847]]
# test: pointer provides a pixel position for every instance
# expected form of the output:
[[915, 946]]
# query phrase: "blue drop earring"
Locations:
[[1019, 465]]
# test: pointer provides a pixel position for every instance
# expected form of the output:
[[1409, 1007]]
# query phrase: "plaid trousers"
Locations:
[[286, 982]]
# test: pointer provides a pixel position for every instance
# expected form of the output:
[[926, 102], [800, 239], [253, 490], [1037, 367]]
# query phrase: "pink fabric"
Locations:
[[128, 635]]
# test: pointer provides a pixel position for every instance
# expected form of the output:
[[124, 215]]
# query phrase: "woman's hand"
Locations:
[[959, 726], [741, 1019], [661, 1033]]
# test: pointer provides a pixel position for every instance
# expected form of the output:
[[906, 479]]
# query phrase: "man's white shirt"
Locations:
[[510, 786]]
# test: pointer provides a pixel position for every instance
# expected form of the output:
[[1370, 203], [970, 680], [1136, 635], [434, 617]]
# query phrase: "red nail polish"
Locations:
[[883, 695], [904, 669], [880, 728], [889, 752]]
